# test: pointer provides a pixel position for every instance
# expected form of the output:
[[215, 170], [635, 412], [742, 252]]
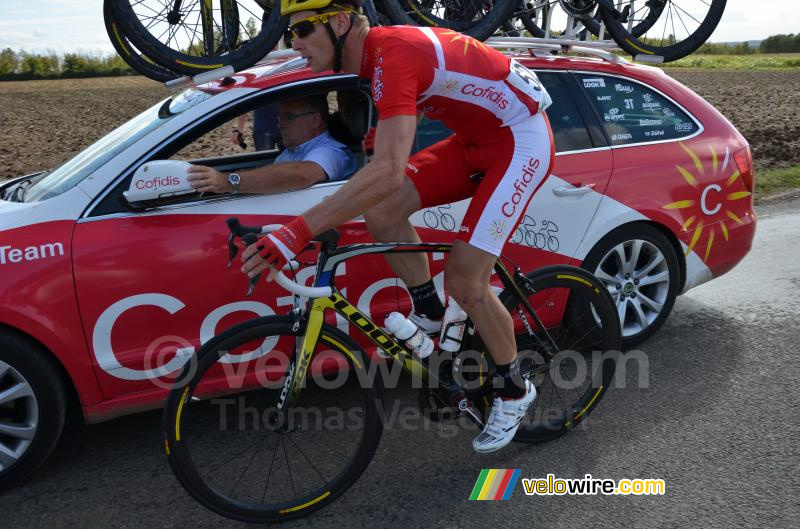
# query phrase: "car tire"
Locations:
[[643, 286], [33, 407]]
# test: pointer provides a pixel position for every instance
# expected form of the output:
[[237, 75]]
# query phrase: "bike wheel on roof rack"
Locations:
[[195, 37], [129, 54], [668, 29]]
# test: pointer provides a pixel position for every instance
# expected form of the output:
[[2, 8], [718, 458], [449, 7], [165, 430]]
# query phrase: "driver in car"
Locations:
[[311, 155]]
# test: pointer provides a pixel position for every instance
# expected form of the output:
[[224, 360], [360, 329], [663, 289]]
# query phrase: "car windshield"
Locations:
[[72, 172]]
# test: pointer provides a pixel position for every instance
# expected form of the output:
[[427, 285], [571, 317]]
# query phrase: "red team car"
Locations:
[[111, 277]]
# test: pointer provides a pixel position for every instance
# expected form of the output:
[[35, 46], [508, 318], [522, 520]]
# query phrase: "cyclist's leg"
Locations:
[[436, 175], [467, 279], [517, 161]]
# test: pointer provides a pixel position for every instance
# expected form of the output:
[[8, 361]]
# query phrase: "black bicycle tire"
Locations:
[[128, 54], [634, 46], [272, 31], [481, 30], [564, 276], [180, 460]]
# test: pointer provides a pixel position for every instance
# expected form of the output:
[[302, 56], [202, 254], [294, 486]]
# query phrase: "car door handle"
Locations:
[[571, 191]]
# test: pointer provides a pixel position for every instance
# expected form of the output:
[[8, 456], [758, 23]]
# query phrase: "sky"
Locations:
[[63, 26]]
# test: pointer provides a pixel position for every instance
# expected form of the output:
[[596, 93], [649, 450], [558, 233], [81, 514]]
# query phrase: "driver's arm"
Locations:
[[381, 177]]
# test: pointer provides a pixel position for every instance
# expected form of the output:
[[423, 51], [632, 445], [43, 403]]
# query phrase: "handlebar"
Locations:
[[249, 236]]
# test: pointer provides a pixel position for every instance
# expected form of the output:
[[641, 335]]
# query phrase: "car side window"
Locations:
[[633, 113], [569, 129], [429, 131]]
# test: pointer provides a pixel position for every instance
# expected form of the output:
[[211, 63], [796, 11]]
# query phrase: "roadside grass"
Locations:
[[739, 62], [771, 181]]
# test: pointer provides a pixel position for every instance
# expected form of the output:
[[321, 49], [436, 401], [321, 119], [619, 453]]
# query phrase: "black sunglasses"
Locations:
[[305, 27]]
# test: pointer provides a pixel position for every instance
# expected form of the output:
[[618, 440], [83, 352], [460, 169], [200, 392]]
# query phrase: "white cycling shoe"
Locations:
[[504, 420], [427, 325]]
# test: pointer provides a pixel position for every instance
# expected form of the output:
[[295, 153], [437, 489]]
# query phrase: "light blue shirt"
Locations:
[[335, 158]]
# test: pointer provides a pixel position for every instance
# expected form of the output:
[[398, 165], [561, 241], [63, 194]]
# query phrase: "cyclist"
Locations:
[[495, 108]]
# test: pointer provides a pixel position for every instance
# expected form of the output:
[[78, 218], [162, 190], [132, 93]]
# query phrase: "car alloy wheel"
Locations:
[[638, 265], [637, 276], [19, 415]]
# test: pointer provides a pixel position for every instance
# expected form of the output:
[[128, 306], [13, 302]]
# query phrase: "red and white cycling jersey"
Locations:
[[493, 105], [450, 77]]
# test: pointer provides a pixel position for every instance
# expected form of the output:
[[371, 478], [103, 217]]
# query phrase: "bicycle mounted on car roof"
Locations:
[[166, 39]]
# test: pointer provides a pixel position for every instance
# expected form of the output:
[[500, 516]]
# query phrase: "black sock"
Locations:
[[509, 383], [426, 300]]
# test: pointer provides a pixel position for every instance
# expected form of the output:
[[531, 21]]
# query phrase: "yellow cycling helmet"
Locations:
[[293, 6], [344, 6]]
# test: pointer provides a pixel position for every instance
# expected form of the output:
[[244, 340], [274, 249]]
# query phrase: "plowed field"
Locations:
[[44, 123]]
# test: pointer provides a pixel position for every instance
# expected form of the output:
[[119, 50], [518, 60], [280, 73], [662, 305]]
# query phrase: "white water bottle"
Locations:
[[412, 336], [453, 326]]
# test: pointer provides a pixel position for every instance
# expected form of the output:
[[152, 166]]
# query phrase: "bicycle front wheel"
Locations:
[[195, 37], [671, 29], [567, 347], [236, 454]]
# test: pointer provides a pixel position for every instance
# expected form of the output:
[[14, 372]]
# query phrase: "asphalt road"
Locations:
[[716, 421]]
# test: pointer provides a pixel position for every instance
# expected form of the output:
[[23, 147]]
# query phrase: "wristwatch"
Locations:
[[233, 180]]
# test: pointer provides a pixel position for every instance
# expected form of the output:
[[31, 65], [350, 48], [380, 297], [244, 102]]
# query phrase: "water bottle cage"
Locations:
[[446, 336]]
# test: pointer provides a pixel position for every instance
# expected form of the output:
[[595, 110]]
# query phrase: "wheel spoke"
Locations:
[[652, 304], [657, 259], [7, 457], [622, 309], [606, 278], [619, 252], [636, 249], [641, 317], [15, 392], [15, 430], [661, 277]]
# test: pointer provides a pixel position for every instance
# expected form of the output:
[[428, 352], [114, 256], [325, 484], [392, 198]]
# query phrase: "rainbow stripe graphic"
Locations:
[[495, 484]]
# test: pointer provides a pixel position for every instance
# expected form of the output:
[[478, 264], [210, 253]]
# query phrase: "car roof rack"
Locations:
[[545, 47]]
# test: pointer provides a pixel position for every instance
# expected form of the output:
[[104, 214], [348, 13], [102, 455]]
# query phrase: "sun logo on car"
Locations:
[[710, 208], [468, 41], [497, 230]]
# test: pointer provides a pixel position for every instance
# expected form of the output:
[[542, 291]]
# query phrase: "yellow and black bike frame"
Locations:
[[330, 257]]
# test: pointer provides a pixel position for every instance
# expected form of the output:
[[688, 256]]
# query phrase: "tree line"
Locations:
[[774, 44], [23, 65]]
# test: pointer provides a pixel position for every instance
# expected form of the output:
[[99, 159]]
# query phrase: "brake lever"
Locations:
[[249, 240], [233, 250]]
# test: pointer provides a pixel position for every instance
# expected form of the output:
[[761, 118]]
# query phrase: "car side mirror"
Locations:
[[158, 180]]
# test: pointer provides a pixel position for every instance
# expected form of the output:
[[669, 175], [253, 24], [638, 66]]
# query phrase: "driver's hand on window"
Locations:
[[208, 180]]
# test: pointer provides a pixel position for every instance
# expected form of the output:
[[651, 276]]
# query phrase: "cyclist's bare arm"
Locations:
[[381, 177]]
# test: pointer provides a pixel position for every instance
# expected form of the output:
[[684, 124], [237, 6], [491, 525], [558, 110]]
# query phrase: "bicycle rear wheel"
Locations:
[[476, 18], [567, 348], [128, 53], [195, 36], [671, 29], [238, 456]]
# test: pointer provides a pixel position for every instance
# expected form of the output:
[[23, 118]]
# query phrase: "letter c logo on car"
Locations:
[[703, 197], [101, 336]]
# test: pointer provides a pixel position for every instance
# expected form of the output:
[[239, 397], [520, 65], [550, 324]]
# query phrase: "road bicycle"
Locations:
[[277, 417]]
